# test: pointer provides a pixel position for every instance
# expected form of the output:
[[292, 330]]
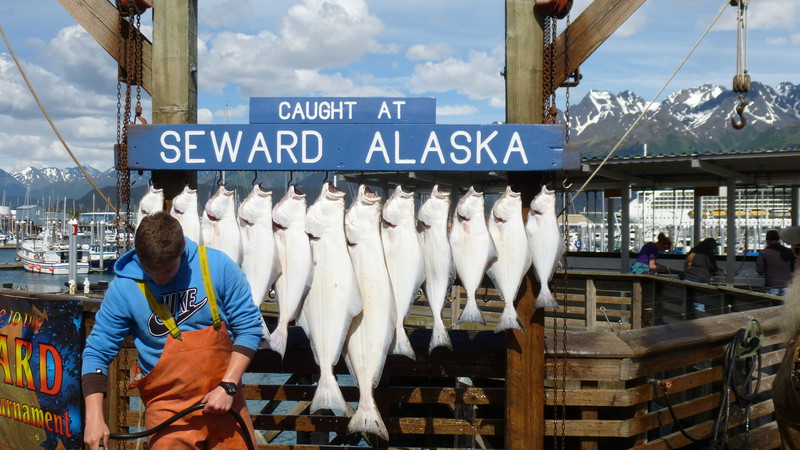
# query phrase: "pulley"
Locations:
[[553, 8], [139, 6]]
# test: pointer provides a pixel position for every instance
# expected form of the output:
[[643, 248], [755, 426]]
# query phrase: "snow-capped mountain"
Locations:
[[697, 119], [32, 177]]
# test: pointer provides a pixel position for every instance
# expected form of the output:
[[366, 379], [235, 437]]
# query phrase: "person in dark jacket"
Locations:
[[700, 265], [701, 262], [776, 263]]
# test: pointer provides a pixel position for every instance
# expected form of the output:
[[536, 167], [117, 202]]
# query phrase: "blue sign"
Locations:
[[351, 147], [342, 110]]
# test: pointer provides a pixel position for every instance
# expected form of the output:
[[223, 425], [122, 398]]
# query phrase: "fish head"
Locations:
[[435, 208], [220, 205], [256, 205], [398, 208], [185, 202], [326, 212], [152, 202], [507, 206], [363, 215], [544, 202], [291, 209], [469, 206]]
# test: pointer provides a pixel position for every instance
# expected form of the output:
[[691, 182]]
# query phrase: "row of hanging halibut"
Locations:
[[350, 278]]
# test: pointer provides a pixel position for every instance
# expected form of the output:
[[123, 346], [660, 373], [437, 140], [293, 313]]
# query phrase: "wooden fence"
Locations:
[[602, 372]]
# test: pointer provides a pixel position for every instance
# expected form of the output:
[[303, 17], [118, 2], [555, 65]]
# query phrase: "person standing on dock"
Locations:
[[196, 329], [776, 263], [646, 261]]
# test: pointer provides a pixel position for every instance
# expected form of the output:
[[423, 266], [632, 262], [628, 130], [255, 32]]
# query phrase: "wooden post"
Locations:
[[174, 79], [525, 351], [591, 305]]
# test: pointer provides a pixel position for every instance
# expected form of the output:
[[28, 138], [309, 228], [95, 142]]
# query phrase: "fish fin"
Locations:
[[401, 345], [439, 338], [471, 313], [328, 395], [509, 320], [545, 298], [278, 338], [367, 419]]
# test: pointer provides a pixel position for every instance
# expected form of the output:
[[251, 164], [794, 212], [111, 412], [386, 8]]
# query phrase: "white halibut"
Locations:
[[259, 257], [403, 259], [334, 298], [546, 243], [296, 266], [372, 331], [219, 227], [184, 208], [472, 248], [432, 229], [152, 202], [513, 255]]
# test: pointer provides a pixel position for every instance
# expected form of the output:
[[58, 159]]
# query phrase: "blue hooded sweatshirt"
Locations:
[[125, 310]]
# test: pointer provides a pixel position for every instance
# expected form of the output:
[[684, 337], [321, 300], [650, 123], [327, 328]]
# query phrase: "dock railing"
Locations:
[[626, 337]]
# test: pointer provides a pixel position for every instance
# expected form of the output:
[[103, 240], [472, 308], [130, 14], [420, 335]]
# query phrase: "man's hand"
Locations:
[[96, 431], [217, 401]]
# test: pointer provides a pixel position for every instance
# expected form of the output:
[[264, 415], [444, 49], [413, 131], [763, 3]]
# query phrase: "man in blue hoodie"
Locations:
[[196, 328]]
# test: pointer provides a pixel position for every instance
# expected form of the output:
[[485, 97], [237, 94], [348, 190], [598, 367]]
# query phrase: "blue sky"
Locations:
[[448, 49]]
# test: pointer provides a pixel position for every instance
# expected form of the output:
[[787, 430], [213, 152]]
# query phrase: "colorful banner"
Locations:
[[40, 361]]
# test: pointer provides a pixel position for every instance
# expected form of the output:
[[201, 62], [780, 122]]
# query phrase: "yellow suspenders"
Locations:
[[165, 314]]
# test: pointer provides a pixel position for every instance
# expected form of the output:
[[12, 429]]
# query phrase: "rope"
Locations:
[[647, 108], [53, 126], [746, 346], [180, 414]]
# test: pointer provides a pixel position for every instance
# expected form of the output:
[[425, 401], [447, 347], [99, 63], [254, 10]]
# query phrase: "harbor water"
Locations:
[[43, 282]]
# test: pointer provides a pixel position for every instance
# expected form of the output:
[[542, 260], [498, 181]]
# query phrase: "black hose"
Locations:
[[180, 414]]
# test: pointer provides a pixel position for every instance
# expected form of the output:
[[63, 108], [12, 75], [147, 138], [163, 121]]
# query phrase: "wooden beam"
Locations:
[[174, 80], [597, 22], [102, 21]]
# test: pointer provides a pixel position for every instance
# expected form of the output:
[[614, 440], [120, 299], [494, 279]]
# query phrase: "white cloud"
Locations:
[[776, 41], [236, 111], [456, 110], [478, 77], [204, 115], [431, 52]]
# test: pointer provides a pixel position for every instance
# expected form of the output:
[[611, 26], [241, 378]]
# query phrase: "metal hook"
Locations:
[[291, 177], [740, 112], [565, 185], [255, 177], [219, 179]]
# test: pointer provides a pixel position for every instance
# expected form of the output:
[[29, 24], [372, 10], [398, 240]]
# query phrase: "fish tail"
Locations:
[[439, 338], [278, 339], [402, 346], [328, 394], [367, 419], [265, 336], [509, 320], [471, 313], [545, 299]]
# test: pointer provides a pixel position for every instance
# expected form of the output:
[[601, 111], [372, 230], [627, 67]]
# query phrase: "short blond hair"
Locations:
[[159, 239]]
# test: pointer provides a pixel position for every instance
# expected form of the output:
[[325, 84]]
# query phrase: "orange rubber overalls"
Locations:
[[785, 396], [191, 366]]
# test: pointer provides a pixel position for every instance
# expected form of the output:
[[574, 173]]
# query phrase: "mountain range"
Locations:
[[693, 120]]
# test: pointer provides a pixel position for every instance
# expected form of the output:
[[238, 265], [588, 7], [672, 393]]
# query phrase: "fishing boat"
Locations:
[[41, 256], [103, 257]]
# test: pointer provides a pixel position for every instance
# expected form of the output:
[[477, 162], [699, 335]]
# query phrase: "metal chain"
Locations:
[[549, 67], [566, 67]]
